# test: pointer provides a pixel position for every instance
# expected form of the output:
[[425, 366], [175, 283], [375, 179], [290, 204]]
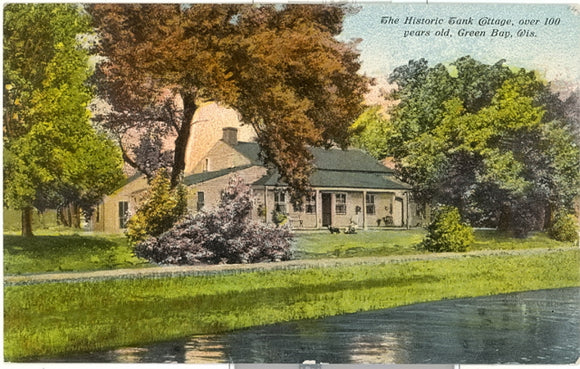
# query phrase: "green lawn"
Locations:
[[67, 252], [51, 251], [58, 318], [316, 245]]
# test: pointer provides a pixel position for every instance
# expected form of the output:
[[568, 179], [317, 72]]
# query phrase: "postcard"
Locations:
[[293, 185]]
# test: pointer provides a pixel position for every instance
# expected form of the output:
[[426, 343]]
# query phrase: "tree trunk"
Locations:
[[63, 217], [504, 219], [189, 108], [549, 215], [27, 222], [75, 216]]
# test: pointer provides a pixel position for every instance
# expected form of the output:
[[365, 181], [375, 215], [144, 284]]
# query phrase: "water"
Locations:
[[537, 327]]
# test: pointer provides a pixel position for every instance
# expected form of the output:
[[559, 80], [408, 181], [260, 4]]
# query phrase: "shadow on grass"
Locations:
[[57, 253]]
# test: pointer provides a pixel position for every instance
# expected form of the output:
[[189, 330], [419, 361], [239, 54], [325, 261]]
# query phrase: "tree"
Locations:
[[280, 67], [52, 155], [490, 140], [225, 234], [160, 209], [371, 131]]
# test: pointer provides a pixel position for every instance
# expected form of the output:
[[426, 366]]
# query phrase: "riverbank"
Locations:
[[55, 319]]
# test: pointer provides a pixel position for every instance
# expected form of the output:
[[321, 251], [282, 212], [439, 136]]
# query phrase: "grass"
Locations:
[[493, 240], [311, 245], [60, 318], [67, 252], [56, 251], [404, 242]]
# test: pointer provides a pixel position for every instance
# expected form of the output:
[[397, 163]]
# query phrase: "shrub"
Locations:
[[161, 208], [564, 228], [447, 233], [279, 218], [225, 234]]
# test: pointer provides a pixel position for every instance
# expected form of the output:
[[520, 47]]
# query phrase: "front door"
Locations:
[[326, 209], [399, 215]]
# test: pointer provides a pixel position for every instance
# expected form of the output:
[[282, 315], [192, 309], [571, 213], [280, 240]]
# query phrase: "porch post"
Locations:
[[407, 208], [332, 209], [318, 209], [266, 204]]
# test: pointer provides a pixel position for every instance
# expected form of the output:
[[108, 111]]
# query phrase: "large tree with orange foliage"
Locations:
[[279, 66]]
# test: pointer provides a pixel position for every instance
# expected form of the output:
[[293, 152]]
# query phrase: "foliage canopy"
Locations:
[[491, 140], [52, 155], [279, 66]]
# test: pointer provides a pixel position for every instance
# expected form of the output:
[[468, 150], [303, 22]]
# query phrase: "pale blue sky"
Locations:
[[555, 52]]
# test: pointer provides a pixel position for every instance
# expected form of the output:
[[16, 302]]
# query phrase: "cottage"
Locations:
[[348, 187]]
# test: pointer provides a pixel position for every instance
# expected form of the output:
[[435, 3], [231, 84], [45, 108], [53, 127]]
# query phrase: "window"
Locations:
[[280, 202], [200, 200], [308, 205], [206, 165], [123, 214], [311, 203], [297, 208], [340, 203], [371, 210]]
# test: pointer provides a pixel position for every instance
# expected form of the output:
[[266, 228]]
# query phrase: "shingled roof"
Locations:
[[206, 176], [352, 168], [341, 179]]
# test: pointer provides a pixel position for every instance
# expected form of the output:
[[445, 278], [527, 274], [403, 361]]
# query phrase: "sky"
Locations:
[[553, 50]]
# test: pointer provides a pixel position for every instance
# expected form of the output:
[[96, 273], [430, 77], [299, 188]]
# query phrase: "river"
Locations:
[[534, 327]]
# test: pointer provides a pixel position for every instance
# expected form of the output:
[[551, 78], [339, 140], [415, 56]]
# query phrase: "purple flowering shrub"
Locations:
[[226, 234]]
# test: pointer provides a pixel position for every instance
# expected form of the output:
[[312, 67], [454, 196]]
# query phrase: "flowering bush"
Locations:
[[225, 234]]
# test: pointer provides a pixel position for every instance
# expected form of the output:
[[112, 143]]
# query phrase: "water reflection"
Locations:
[[378, 348], [538, 327]]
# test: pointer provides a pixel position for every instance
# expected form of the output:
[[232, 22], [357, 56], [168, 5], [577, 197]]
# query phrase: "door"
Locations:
[[399, 215], [326, 209]]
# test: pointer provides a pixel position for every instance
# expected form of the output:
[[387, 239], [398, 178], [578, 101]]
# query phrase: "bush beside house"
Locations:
[[225, 234], [564, 228], [160, 210], [446, 233]]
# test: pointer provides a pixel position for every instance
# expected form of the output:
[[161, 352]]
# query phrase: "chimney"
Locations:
[[230, 136]]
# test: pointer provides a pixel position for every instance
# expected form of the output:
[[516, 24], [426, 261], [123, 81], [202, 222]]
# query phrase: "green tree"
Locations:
[[490, 140], [280, 67], [160, 209], [52, 155], [370, 132]]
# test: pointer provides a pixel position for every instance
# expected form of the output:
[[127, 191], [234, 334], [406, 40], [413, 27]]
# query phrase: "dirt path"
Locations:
[[204, 270]]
